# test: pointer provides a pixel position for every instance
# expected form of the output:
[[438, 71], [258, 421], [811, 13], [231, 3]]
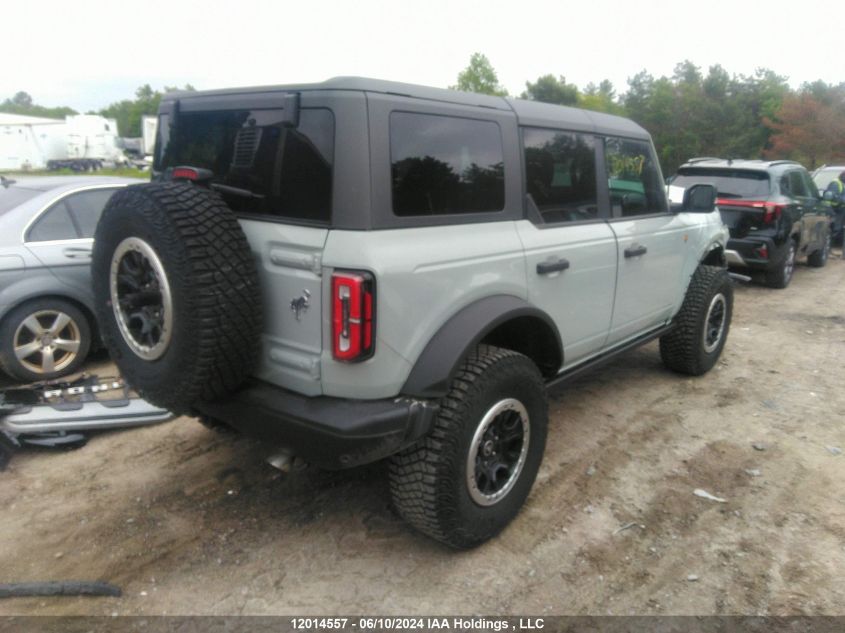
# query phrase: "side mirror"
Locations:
[[828, 195], [700, 199]]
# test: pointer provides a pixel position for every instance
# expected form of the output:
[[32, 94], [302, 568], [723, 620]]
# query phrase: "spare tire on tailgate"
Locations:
[[176, 292]]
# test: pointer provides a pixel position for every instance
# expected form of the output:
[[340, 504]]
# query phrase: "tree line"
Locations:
[[693, 114], [688, 114], [128, 112]]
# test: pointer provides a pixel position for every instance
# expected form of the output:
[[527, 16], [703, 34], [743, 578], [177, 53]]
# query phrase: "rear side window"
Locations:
[[560, 174], [86, 207], [633, 178], [445, 165], [54, 224], [261, 166], [730, 183]]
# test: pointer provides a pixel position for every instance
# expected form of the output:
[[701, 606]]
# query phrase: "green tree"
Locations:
[[601, 98], [549, 89], [22, 103], [479, 77], [128, 113]]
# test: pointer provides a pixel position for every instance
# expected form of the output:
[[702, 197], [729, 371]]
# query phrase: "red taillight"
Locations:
[[185, 173], [353, 316], [772, 213]]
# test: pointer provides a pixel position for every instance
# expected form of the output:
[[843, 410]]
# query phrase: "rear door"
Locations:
[[62, 236], [650, 240], [570, 250]]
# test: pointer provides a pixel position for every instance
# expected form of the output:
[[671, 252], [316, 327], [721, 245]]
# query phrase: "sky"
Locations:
[[87, 54]]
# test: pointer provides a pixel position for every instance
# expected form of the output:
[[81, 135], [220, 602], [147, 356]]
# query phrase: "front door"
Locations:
[[570, 250], [649, 240]]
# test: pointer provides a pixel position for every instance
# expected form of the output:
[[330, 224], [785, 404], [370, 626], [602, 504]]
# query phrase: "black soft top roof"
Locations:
[[531, 113]]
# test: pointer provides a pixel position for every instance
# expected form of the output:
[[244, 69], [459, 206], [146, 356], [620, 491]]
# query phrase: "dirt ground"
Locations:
[[188, 521]]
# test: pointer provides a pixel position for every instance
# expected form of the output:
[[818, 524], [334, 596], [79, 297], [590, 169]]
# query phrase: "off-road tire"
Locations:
[[13, 366], [428, 481], [818, 258], [782, 275], [685, 348], [216, 305]]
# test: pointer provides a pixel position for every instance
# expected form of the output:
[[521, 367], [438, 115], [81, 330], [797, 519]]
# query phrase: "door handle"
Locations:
[[635, 250], [546, 268], [77, 253]]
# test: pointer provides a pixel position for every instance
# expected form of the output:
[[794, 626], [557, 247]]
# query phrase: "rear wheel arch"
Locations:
[[505, 321]]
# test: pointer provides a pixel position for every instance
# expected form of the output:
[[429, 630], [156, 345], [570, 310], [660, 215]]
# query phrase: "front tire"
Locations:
[[818, 258], [44, 339], [701, 325], [465, 481]]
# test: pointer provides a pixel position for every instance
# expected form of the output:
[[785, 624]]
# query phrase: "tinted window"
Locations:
[[633, 178], [796, 185], [442, 165], [560, 174], [54, 224], [86, 208], [279, 171], [730, 183]]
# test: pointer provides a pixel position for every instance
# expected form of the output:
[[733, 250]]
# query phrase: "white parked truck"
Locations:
[[80, 142]]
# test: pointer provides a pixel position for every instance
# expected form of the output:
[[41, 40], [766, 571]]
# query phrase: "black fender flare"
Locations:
[[435, 368]]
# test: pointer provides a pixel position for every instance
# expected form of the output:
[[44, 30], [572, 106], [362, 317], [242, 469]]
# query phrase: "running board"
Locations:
[[601, 359], [83, 416]]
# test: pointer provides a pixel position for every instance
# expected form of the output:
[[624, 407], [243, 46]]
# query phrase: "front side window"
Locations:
[[260, 165], [633, 178], [444, 165], [560, 174]]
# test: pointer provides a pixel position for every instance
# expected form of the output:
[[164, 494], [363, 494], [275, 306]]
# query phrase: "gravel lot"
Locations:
[[188, 521]]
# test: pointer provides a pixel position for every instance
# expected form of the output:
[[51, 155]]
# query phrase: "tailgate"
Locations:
[[744, 217], [289, 260]]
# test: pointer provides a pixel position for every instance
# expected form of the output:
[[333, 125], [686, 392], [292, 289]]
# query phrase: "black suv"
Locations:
[[774, 212]]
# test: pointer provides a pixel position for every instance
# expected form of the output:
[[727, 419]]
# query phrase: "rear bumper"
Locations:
[[333, 433], [746, 253]]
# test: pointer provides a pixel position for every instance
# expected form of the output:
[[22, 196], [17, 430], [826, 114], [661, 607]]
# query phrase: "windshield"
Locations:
[[730, 183], [14, 196], [826, 176]]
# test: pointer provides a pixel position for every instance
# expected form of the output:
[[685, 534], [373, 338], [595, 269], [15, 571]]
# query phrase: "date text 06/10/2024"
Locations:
[[417, 624]]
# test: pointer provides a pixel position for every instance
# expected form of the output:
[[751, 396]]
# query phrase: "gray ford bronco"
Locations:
[[359, 270]]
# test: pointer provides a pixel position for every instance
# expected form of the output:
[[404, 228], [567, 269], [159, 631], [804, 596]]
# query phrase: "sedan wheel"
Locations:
[[44, 339]]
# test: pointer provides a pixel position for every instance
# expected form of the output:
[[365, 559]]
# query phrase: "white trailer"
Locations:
[[149, 128], [80, 142], [28, 142]]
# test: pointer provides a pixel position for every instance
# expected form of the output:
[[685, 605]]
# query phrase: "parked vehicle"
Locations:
[[774, 212], [46, 303], [359, 269], [82, 142], [823, 176]]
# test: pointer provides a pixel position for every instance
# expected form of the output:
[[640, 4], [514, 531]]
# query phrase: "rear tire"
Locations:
[[701, 325], [465, 481], [176, 293], [780, 277]]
